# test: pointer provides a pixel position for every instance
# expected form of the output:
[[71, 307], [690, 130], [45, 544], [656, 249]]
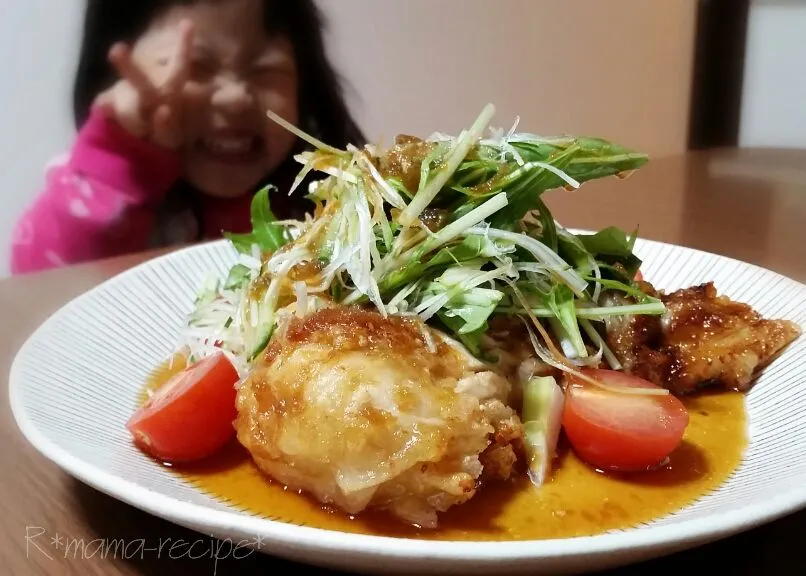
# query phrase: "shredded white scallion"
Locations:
[[301, 293], [543, 254], [457, 153], [369, 242]]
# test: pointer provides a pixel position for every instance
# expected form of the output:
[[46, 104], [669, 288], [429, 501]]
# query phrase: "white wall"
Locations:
[[774, 96], [618, 69], [38, 47]]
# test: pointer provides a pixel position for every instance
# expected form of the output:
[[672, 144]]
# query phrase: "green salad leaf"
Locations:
[[266, 235], [455, 230], [612, 246]]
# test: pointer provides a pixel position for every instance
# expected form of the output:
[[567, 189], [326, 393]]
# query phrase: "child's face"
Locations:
[[235, 73]]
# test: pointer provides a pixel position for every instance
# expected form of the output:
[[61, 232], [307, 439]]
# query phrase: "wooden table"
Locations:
[[748, 204]]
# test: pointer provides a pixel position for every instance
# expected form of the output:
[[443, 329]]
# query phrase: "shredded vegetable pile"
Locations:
[[453, 230]]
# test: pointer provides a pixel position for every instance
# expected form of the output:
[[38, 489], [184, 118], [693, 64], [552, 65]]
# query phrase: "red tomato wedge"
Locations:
[[621, 432], [189, 417]]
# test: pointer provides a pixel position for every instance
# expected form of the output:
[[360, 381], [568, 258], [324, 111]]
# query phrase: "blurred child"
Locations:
[[170, 97]]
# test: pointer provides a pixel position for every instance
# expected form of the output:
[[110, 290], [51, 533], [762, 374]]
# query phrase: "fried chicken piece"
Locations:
[[356, 410], [702, 339]]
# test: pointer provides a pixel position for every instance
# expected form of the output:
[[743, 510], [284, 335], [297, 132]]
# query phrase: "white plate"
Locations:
[[75, 381]]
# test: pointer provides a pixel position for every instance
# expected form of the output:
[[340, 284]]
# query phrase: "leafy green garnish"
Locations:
[[237, 275], [267, 235], [573, 250], [471, 306], [629, 290], [455, 230], [471, 340], [611, 245], [560, 300]]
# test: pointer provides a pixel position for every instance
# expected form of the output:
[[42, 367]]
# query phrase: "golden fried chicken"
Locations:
[[702, 339], [359, 411]]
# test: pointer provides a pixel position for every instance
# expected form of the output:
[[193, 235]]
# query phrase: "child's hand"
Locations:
[[147, 102]]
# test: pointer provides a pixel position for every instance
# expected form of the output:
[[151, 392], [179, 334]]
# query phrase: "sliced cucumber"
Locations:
[[258, 336], [263, 335]]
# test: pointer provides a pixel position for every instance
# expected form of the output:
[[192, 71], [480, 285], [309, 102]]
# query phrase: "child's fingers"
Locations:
[[128, 111], [180, 62], [165, 130], [121, 104], [121, 58]]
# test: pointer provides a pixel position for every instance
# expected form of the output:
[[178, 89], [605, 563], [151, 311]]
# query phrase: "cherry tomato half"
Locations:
[[189, 417], [623, 432]]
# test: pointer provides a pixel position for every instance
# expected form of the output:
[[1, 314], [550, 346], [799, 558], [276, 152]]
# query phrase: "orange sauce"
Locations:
[[174, 365], [578, 501]]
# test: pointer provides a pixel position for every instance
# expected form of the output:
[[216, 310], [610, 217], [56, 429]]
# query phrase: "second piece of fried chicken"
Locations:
[[703, 339]]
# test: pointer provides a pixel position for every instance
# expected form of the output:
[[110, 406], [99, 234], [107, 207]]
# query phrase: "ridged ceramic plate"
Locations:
[[76, 380]]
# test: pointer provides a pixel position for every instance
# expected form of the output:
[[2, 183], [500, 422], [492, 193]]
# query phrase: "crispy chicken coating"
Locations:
[[359, 411], [702, 340]]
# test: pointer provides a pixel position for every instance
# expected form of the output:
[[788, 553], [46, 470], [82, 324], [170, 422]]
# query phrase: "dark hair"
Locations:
[[323, 111]]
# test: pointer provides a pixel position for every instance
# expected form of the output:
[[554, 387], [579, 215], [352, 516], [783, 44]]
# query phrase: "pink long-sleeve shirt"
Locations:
[[102, 200]]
